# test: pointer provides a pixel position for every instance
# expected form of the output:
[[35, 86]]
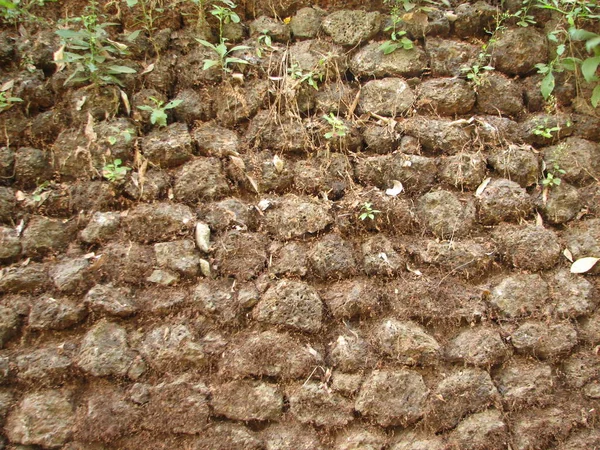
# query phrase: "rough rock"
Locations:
[[359, 437], [110, 300], [217, 299], [351, 27], [539, 428], [178, 406], [517, 163], [241, 255], [195, 106], [172, 346], [438, 135], [292, 304], [520, 295], [382, 257], [446, 96], [9, 323], [179, 256], [498, 94], [229, 213], [474, 19], [168, 147], [518, 50], [523, 382], [478, 346], [351, 353], [545, 341], [24, 279], [32, 166], [445, 215], [314, 403], [466, 258], [11, 245], [461, 393], [450, 57], [306, 23], [485, 430], [270, 354], [386, 97], [44, 235], [159, 221], [503, 200], [105, 352], [42, 418], [295, 216], [214, 140], [464, 171], [72, 275], [48, 364], [247, 400], [406, 343], [101, 227], [289, 260], [225, 436], [370, 61], [579, 158], [48, 313], [352, 298], [528, 248], [287, 435], [200, 180], [395, 397], [332, 257], [563, 203], [573, 295], [416, 441]]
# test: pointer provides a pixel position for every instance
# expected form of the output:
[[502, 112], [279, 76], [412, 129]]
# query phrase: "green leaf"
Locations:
[[239, 47], [581, 35], [208, 63], [547, 85], [596, 96], [173, 104], [560, 49], [233, 60], [569, 63], [132, 3], [8, 5], [589, 67], [133, 36], [121, 69], [591, 44]]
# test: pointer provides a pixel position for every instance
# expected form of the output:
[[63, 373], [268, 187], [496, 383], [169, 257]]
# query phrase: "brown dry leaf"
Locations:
[[148, 69], [238, 162], [482, 187]]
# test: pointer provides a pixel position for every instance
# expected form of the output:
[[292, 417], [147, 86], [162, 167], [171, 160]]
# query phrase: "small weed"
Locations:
[[311, 78], [224, 15], [367, 211], [264, 43], [545, 131], [19, 11], [553, 174], [37, 194], [115, 172], [89, 50], [126, 135], [477, 73], [159, 110], [7, 101], [338, 128], [398, 38]]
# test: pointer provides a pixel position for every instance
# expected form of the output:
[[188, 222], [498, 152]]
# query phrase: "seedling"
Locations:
[[552, 177], [311, 78], [159, 110], [367, 211], [477, 73], [7, 101], [224, 15], [398, 38], [544, 131], [264, 42], [338, 128], [115, 172]]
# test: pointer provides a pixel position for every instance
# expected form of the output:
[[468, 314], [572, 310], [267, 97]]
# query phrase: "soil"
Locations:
[[251, 282]]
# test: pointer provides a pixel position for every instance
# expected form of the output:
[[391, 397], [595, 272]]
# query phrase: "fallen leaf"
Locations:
[[7, 86], [238, 162], [415, 271], [59, 56], [584, 265], [126, 103], [264, 204], [396, 190], [278, 163], [482, 187], [568, 254]]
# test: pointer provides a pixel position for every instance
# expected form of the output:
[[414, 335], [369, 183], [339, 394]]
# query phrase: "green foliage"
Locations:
[[89, 51], [224, 15], [159, 111], [7, 101], [552, 177], [115, 172], [263, 43], [367, 211], [126, 135], [312, 78], [573, 17], [337, 127], [18, 11], [477, 73], [544, 131]]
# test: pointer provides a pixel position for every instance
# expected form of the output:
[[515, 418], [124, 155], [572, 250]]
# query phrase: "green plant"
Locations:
[[158, 114], [224, 15], [572, 18], [126, 135], [397, 39], [312, 78], [115, 172], [338, 128], [37, 194], [149, 9], [263, 43], [545, 131], [552, 177], [7, 101], [477, 73], [367, 211], [90, 52], [17, 11]]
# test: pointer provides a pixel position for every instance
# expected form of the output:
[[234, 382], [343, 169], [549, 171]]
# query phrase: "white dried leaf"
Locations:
[[126, 103], [202, 236], [482, 187], [415, 271], [19, 228], [7, 86], [253, 183], [89, 255], [567, 253], [20, 196], [79, 103], [396, 189], [539, 221], [148, 69], [264, 204], [407, 163], [205, 268], [584, 265], [59, 56], [383, 257], [278, 163], [238, 162]]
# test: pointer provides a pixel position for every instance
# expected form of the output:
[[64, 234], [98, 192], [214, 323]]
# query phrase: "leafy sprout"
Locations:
[[158, 112]]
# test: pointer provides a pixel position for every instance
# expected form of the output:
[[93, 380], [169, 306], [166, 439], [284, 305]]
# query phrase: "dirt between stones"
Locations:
[[249, 284]]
